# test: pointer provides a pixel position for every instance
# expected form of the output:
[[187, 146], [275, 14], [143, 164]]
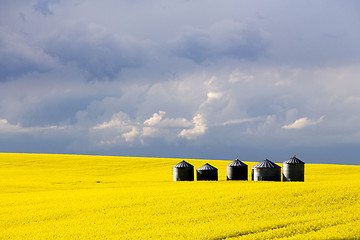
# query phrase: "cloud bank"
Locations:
[[181, 79]]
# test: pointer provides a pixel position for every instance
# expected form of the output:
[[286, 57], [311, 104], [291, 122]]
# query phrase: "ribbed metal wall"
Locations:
[[266, 171], [237, 170], [207, 173], [183, 171], [293, 170], [266, 174]]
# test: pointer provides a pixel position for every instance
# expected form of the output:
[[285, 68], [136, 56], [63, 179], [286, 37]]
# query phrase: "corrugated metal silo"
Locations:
[[183, 171], [266, 171], [237, 170], [293, 170], [207, 172]]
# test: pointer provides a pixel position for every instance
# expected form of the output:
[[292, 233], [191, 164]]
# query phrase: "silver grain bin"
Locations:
[[237, 170], [293, 170], [207, 173], [266, 171], [183, 171]]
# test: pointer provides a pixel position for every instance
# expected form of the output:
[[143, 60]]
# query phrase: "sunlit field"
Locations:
[[96, 197]]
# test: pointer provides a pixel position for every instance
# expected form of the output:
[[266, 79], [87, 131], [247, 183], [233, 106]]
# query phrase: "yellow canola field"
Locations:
[[99, 197]]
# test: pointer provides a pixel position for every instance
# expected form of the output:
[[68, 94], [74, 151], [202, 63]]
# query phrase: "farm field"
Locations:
[[46, 196]]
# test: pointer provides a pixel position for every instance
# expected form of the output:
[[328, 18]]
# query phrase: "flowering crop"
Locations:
[[96, 197]]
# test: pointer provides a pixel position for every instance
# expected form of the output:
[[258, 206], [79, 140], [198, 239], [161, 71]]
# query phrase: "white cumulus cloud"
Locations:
[[155, 119], [302, 123], [158, 126], [119, 128], [131, 135], [118, 120], [214, 95], [122, 128], [198, 129]]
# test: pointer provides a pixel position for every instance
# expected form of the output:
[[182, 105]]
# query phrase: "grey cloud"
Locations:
[[55, 111], [320, 34], [17, 57], [98, 54], [225, 39], [42, 6], [247, 68]]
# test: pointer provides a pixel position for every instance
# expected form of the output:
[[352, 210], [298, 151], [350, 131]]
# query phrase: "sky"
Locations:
[[182, 78]]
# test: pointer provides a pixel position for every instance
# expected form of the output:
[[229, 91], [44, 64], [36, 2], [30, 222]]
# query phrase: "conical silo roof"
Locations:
[[207, 167], [237, 163], [266, 164], [183, 164], [294, 160]]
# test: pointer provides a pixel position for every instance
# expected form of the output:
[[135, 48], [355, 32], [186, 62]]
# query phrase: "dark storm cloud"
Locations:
[[98, 54], [17, 57]]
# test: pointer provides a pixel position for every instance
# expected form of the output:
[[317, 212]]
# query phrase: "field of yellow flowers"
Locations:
[[100, 197]]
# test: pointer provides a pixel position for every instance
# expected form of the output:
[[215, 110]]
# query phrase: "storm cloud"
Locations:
[[197, 79]]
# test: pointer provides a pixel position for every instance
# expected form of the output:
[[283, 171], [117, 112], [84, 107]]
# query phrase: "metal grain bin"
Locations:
[[266, 171], [183, 171], [237, 170], [207, 172], [293, 170]]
